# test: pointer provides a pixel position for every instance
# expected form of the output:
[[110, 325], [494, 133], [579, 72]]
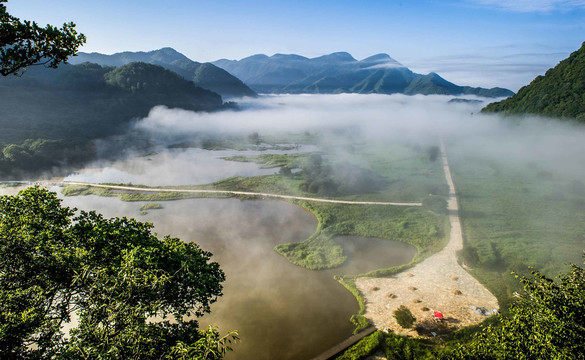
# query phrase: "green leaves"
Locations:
[[209, 347], [128, 290], [25, 43], [560, 93], [404, 317], [548, 322]]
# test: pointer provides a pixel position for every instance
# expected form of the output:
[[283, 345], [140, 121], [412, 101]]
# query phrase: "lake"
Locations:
[[282, 311]]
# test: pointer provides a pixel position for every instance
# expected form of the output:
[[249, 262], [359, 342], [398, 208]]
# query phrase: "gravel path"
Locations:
[[438, 283], [119, 187]]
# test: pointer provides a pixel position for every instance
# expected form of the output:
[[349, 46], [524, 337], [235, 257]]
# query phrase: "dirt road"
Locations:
[[438, 283]]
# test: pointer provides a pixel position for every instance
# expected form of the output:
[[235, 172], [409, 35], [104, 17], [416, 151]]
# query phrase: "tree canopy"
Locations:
[[132, 295], [559, 93], [548, 322], [24, 43]]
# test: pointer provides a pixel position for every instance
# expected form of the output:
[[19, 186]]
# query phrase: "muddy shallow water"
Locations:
[[177, 167], [282, 311]]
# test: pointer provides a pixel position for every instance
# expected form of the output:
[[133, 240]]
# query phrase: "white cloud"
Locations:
[[491, 67], [533, 5]]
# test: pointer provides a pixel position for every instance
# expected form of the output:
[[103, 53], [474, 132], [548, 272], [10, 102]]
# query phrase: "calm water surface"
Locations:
[[281, 310], [178, 167]]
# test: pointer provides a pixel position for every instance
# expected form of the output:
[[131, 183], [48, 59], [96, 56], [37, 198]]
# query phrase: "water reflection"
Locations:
[[368, 254], [281, 310]]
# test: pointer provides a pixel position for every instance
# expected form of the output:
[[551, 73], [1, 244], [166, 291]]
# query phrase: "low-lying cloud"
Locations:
[[554, 143]]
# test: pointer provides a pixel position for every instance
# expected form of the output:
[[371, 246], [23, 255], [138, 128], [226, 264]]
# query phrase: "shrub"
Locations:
[[364, 347], [360, 322], [404, 317]]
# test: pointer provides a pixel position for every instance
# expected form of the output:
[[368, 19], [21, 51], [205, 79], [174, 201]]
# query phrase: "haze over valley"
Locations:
[[184, 204]]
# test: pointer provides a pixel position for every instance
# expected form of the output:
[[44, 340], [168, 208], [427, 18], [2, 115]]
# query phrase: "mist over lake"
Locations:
[[288, 312]]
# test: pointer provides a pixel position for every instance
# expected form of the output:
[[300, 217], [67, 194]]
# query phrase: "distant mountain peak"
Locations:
[[164, 55], [381, 61], [340, 56], [379, 58], [339, 72], [167, 49], [256, 57], [288, 56], [206, 75]]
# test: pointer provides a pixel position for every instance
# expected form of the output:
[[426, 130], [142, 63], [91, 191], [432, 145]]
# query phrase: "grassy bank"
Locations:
[[402, 173], [268, 161], [413, 225]]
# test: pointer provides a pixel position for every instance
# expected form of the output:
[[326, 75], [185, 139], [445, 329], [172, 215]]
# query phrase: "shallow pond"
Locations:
[[177, 167], [368, 254]]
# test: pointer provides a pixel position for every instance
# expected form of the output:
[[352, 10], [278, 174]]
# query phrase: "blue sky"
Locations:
[[470, 42]]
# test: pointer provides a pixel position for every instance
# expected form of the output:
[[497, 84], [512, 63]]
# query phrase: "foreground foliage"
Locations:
[[209, 347], [548, 322], [393, 347], [112, 276], [25, 43]]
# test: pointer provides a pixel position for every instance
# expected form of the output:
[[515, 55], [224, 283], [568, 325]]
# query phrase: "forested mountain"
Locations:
[[341, 73], [560, 92], [204, 75], [48, 116]]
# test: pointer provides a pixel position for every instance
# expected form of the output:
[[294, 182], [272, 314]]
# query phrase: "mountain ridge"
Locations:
[[205, 75], [51, 117], [340, 72]]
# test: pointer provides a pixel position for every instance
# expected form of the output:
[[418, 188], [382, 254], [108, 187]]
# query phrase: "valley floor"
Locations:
[[438, 283]]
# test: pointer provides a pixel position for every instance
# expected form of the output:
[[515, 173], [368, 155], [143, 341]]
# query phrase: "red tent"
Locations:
[[438, 315]]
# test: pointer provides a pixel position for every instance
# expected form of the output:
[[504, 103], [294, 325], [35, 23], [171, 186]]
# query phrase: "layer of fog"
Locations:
[[556, 145], [552, 145], [171, 167]]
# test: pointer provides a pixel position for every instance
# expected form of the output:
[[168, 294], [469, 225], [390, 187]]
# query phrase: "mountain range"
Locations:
[[205, 75], [559, 93], [341, 73]]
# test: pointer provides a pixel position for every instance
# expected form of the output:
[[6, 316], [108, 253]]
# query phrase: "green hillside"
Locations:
[[49, 117], [559, 93], [205, 75]]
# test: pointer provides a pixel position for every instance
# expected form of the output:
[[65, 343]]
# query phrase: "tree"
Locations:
[[25, 43], [210, 346], [548, 322], [404, 317], [433, 152], [113, 275]]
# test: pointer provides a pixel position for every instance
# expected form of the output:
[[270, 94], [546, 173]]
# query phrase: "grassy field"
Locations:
[[413, 225], [516, 215], [268, 161], [406, 174], [151, 206]]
